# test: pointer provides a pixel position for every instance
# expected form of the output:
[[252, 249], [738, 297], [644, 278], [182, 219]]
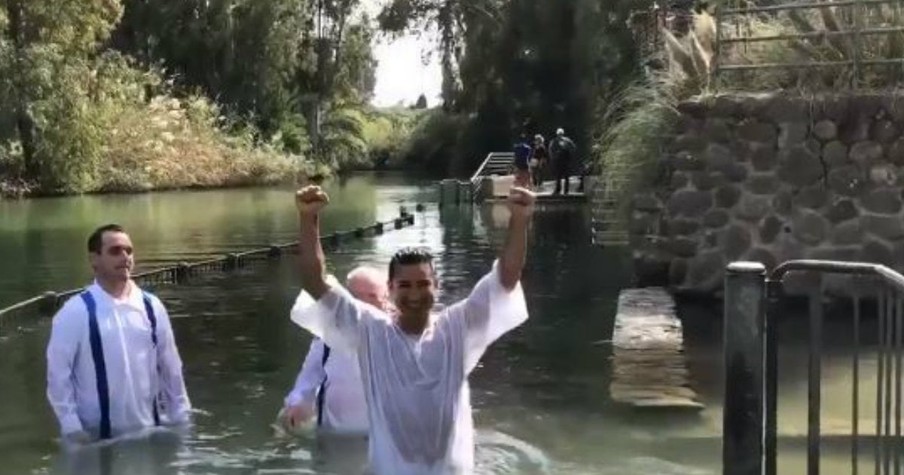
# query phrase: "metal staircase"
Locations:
[[496, 163]]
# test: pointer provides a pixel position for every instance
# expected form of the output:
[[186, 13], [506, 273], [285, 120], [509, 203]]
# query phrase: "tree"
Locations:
[[273, 62], [507, 63], [45, 58]]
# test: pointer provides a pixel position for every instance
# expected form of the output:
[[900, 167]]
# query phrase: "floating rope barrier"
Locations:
[[48, 302]]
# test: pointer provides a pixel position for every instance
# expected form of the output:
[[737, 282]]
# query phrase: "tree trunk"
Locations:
[[24, 122]]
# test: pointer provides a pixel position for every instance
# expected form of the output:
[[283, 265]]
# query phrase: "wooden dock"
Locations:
[[649, 370], [501, 185]]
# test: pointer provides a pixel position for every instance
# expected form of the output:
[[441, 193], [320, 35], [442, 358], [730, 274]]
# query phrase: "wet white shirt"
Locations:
[[131, 360], [417, 392], [344, 408]]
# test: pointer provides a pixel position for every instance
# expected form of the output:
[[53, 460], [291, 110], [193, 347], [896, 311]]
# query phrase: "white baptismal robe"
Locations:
[[418, 399]]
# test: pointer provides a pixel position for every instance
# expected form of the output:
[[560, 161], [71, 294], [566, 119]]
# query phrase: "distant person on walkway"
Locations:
[[415, 362], [329, 388], [539, 158], [112, 363], [562, 150], [521, 162]]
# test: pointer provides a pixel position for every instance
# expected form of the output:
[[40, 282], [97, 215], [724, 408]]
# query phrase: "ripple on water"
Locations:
[[499, 453]]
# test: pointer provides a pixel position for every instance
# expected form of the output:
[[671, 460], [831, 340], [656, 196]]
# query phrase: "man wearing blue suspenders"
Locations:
[[328, 389], [112, 363]]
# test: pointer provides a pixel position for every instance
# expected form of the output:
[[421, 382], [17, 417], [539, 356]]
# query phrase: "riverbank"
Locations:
[[213, 171]]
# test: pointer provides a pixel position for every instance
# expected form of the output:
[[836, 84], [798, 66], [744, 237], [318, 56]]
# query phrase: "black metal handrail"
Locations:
[[839, 267], [753, 307]]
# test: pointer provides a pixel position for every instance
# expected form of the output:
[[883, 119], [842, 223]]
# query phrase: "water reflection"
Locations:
[[153, 453]]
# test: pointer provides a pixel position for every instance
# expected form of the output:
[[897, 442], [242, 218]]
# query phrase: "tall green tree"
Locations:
[[277, 63], [47, 53], [523, 65]]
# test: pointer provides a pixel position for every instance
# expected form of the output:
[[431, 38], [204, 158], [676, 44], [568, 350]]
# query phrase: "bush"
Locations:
[[386, 132], [108, 126]]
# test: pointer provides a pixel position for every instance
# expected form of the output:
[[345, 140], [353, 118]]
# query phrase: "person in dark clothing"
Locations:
[[538, 161], [521, 162], [562, 150]]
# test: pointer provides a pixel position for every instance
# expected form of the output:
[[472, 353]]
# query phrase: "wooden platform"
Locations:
[[649, 370], [544, 193]]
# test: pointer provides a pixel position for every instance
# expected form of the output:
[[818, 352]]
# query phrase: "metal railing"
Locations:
[[487, 161], [49, 302], [647, 25], [754, 305], [851, 30]]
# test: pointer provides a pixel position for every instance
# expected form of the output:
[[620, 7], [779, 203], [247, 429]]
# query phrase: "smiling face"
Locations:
[[413, 290], [114, 260]]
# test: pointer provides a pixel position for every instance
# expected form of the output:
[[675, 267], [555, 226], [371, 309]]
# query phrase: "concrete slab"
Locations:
[[648, 364]]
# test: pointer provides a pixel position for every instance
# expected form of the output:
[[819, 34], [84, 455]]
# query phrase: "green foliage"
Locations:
[[632, 129], [386, 132], [629, 144], [116, 95], [508, 66], [75, 117], [342, 144], [267, 61], [434, 142], [824, 46]]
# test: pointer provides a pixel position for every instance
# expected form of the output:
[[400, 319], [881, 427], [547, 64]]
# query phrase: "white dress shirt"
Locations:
[[344, 408], [416, 387], [137, 372]]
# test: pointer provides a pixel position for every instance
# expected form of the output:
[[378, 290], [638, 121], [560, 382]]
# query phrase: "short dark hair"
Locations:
[[409, 256], [96, 239]]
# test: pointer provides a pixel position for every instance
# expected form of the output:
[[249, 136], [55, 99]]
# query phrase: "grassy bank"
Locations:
[[114, 128]]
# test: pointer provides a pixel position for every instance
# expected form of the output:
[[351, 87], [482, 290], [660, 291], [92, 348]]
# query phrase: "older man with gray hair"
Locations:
[[562, 150], [328, 389]]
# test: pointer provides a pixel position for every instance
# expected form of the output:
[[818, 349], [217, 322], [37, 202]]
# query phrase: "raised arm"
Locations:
[[309, 201], [513, 254], [327, 311], [496, 305]]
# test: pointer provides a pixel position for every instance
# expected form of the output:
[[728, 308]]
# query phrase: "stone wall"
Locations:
[[770, 178]]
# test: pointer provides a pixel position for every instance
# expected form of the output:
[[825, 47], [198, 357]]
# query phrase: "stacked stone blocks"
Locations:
[[770, 178]]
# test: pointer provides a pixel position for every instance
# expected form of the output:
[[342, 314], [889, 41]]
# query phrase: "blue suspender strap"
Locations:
[[149, 310], [321, 393], [100, 367]]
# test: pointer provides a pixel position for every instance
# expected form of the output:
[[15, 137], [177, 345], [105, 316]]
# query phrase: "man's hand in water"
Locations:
[[521, 202], [297, 415], [77, 438], [311, 199]]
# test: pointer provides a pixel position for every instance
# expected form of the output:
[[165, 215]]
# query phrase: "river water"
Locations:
[[540, 395]]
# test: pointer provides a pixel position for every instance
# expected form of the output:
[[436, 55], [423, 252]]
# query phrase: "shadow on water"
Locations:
[[540, 394]]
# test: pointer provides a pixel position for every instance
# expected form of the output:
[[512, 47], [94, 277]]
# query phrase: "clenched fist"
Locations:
[[311, 199]]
